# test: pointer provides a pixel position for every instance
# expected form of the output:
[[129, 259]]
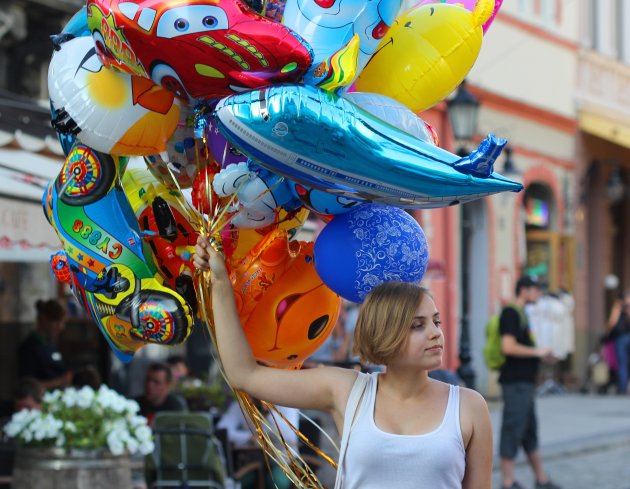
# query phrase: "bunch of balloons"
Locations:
[[265, 111]]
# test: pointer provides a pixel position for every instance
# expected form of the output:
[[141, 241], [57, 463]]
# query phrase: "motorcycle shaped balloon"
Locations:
[[161, 215], [112, 270]]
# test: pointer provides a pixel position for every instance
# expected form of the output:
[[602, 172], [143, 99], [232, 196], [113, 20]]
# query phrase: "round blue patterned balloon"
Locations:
[[367, 246]]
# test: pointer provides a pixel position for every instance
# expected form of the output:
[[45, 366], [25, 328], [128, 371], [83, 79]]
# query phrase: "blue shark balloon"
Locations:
[[326, 142]]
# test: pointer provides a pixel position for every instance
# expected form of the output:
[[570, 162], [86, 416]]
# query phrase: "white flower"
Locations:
[[102, 411], [143, 433], [109, 399], [60, 441], [146, 447], [132, 407], [115, 443], [69, 397], [85, 397], [52, 397]]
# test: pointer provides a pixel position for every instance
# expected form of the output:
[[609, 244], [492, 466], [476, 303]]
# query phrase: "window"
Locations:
[[549, 13]]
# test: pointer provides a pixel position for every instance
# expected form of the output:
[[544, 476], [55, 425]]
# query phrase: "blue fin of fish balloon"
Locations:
[[480, 162]]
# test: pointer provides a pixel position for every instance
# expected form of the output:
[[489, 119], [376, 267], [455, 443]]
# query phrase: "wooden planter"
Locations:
[[54, 469]]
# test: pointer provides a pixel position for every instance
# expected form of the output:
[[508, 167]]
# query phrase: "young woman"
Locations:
[[408, 430]]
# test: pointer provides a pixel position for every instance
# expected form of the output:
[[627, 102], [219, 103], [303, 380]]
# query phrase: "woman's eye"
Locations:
[[438, 323], [417, 325]]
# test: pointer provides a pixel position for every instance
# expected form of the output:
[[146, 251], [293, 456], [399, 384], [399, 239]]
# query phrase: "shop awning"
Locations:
[[606, 127], [25, 235]]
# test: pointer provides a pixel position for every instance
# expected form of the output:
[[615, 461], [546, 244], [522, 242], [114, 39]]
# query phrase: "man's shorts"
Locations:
[[519, 426]]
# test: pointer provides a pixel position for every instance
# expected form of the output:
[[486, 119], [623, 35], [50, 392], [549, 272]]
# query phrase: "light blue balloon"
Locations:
[[369, 245], [326, 142], [328, 25]]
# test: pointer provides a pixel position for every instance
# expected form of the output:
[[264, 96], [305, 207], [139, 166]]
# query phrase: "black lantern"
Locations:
[[509, 168], [463, 113]]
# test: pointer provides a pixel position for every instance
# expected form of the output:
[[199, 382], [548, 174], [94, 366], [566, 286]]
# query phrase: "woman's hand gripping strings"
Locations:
[[322, 388]]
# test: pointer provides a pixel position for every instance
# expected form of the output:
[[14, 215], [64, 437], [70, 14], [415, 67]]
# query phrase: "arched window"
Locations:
[[539, 208], [542, 239]]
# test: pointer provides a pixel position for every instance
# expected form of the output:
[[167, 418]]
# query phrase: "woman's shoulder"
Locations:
[[471, 401]]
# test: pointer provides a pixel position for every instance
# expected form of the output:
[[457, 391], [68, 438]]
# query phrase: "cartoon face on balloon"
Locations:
[[197, 49], [426, 54], [330, 24], [294, 316], [109, 111]]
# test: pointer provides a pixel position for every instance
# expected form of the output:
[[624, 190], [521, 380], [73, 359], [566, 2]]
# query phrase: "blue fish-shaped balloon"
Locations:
[[318, 139]]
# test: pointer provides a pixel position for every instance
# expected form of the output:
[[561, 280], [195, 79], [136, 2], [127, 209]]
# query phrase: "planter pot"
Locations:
[[80, 469]]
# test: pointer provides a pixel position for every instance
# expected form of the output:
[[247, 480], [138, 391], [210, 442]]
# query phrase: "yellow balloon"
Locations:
[[426, 53]]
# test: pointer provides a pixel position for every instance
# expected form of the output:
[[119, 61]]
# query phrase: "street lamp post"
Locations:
[[463, 113]]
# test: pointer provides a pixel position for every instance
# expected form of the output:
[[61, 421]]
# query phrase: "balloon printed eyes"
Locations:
[[182, 25], [209, 21], [317, 327]]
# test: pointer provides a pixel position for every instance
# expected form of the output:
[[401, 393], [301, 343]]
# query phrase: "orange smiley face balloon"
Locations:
[[294, 316], [260, 268]]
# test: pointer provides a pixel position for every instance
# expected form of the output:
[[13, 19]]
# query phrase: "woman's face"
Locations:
[[425, 343]]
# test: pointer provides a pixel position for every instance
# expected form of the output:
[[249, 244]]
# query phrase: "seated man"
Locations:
[[157, 392], [240, 436]]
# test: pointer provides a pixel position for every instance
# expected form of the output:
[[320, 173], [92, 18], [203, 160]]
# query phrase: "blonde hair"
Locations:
[[384, 321]]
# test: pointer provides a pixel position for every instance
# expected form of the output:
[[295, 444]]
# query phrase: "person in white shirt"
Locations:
[[409, 431]]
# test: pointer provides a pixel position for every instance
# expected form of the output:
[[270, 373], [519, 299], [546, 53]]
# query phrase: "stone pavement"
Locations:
[[572, 423], [584, 441]]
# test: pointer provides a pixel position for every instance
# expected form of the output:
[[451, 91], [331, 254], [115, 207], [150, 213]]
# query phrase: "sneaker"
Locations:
[[547, 485], [515, 485]]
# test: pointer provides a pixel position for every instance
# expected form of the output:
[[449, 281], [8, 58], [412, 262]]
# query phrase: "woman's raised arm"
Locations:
[[323, 388]]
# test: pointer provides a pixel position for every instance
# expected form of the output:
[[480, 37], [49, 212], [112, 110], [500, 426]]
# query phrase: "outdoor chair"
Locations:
[[187, 453]]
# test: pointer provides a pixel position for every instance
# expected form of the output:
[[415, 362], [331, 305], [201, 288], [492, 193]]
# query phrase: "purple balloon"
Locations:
[[224, 152]]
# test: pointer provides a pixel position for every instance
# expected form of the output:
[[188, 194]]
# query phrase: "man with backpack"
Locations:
[[517, 377]]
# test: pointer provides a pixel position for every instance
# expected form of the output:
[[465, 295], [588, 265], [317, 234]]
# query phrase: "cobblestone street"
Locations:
[[607, 468]]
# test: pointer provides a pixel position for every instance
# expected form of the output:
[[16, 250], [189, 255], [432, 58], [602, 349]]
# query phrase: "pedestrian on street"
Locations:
[[399, 428], [619, 333], [518, 385]]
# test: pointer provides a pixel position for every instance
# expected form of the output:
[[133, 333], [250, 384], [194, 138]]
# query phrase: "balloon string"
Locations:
[[295, 468]]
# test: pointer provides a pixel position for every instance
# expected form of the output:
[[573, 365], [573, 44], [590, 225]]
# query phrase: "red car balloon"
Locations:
[[198, 49]]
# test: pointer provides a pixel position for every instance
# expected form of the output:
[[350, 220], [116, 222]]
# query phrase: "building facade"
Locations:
[[603, 203], [525, 79], [552, 78]]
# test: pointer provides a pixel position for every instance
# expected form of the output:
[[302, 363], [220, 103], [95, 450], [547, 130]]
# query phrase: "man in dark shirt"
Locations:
[[38, 355], [157, 392], [518, 385]]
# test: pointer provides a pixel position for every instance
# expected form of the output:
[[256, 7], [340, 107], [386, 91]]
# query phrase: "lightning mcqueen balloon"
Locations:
[[198, 49]]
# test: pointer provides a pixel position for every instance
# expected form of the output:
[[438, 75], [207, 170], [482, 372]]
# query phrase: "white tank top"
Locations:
[[375, 459]]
